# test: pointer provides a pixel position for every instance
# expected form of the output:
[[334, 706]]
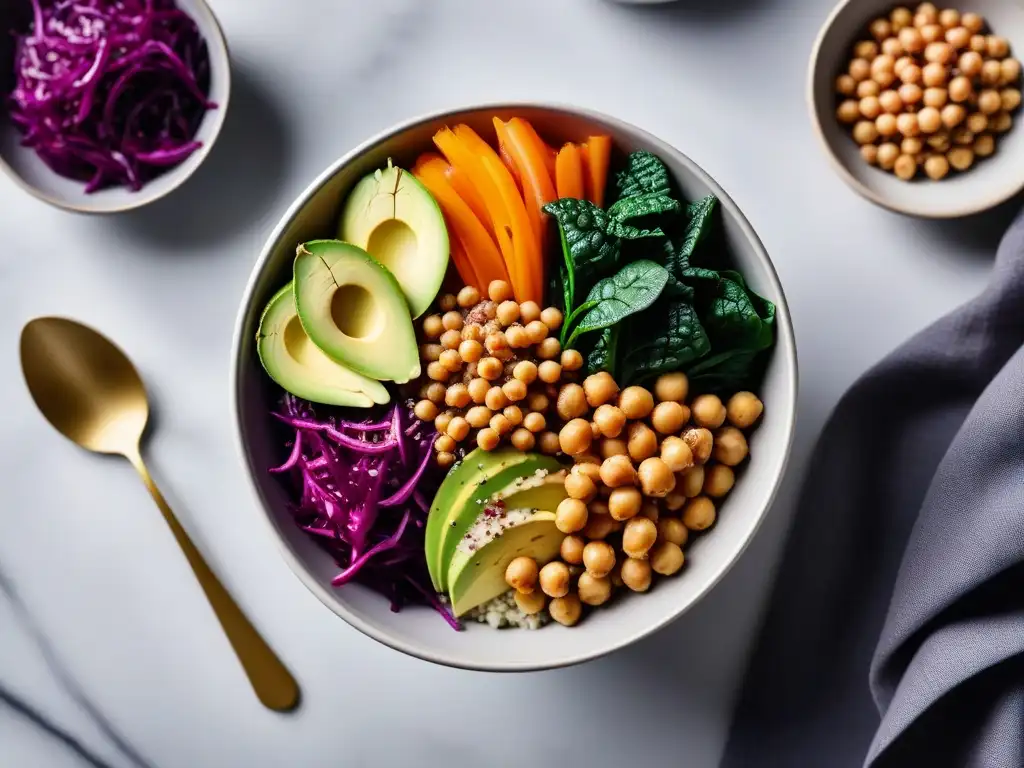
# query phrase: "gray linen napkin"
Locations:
[[895, 633]]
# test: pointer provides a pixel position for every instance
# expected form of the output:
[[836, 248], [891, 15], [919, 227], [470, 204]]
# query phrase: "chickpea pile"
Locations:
[[492, 372], [930, 90], [649, 470]]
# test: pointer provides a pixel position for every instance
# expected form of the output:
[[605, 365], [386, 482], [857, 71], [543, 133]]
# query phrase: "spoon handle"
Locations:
[[274, 685]]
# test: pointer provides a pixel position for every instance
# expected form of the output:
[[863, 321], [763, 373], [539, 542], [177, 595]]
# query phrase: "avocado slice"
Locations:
[[477, 576], [515, 478], [354, 311], [298, 366], [460, 485], [397, 221]]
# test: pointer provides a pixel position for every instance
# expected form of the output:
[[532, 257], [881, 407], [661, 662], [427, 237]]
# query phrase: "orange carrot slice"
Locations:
[[539, 146], [464, 188], [465, 157], [585, 159], [517, 224], [569, 173], [599, 152], [505, 154], [464, 264], [480, 249]]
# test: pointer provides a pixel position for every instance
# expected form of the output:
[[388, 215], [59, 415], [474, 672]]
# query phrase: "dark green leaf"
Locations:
[[587, 249], [667, 337], [632, 289], [629, 232], [644, 174], [603, 356], [650, 204]]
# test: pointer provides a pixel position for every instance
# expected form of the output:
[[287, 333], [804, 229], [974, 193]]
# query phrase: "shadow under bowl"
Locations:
[[989, 182], [26, 168], [420, 631]]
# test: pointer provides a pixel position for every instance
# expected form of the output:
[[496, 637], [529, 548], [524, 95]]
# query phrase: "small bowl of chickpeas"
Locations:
[[918, 105], [666, 485]]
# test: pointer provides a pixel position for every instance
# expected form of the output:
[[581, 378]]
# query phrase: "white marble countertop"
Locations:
[[102, 628]]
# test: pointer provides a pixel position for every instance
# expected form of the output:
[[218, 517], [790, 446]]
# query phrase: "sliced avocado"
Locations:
[[459, 485], [397, 221], [297, 366], [477, 576], [354, 311]]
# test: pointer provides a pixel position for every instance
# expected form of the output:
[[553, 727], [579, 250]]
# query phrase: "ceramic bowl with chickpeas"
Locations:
[[679, 481], [917, 105]]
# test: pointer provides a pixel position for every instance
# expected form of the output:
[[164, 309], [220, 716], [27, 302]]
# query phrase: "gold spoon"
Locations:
[[88, 389]]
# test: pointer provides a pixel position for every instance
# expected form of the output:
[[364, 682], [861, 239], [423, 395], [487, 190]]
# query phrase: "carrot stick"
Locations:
[[540, 147], [516, 223], [588, 193], [599, 151], [487, 262], [569, 173], [464, 264], [506, 156], [465, 157], [464, 188]]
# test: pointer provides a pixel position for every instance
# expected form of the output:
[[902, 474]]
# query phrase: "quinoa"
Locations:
[[502, 612]]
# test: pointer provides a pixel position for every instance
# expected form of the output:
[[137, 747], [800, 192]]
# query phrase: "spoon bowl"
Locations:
[[88, 389]]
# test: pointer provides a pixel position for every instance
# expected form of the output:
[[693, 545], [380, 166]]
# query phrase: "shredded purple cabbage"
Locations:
[[362, 489], [110, 92]]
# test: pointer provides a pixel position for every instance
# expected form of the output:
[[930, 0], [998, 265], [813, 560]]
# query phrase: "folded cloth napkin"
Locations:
[[895, 633]]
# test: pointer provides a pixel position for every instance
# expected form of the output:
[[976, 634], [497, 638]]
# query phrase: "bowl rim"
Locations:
[[844, 173], [323, 592], [223, 53]]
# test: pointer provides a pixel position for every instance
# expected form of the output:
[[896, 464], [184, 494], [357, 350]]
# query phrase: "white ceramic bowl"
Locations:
[[990, 182], [24, 166], [420, 631]]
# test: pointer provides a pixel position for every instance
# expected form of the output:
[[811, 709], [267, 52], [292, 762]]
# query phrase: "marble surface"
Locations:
[[102, 629]]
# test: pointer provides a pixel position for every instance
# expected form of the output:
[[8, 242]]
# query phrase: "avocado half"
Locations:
[[293, 361], [354, 311], [396, 220]]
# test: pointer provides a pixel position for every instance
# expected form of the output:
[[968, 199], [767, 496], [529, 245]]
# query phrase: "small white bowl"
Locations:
[[988, 183], [25, 167], [420, 631]]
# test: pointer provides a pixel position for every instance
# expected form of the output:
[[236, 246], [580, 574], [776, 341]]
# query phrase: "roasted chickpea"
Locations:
[[570, 515], [575, 437], [617, 471], [499, 290], [868, 88], [521, 574], [952, 115], [907, 124], [613, 446], [672, 529], [571, 401], [891, 46], [718, 480], [435, 392], [610, 420], [598, 558], [499, 424], [433, 326], [935, 97], [636, 402], [452, 321], [530, 602], [548, 443], [671, 387], [933, 75], [910, 94], [451, 340], [457, 396], [669, 417], [656, 478], [599, 388], [437, 372], [1010, 71], [572, 360], [624, 502], [588, 465], [890, 101], [571, 550], [594, 590], [977, 122], [991, 73], [478, 389], [730, 446], [911, 40], [441, 422], [997, 47], [700, 441], [507, 313], [638, 537], [536, 331], [1001, 123], [636, 574], [676, 454], [859, 69], [880, 29], [691, 481], [425, 410], [870, 107], [649, 509], [445, 459], [1010, 99], [929, 120], [566, 610], [554, 579], [708, 411], [984, 145], [470, 351], [866, 49], [514, 415], [936, 167], [518, 337], [450, 359], [489, 368], [523, 439], [666, 558], [467, 297], [472, 332], [549, 371], [458, 429], [580, 486], [599, 526], [444, 444], [478, 416], [961, 158], [699, 514], [549, 349], [514, 389], [431, 352], [487, 439], [642, 442], [495, 399], [529, 311], [744, 409], [535, 422], [932, 33], [972, 22]]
